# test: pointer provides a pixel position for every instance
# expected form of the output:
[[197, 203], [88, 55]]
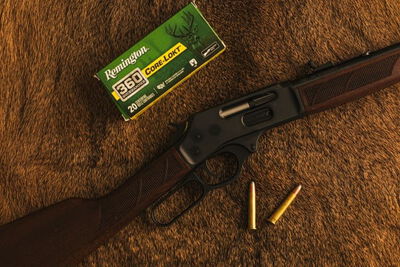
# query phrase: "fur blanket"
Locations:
[[62, 137]]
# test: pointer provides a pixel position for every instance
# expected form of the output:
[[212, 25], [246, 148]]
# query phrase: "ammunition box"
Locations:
[[160, 61]]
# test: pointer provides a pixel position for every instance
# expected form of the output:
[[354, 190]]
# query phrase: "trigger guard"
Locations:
[[241, 153]]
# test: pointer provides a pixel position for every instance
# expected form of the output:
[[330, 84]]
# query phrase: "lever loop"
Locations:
[[192, 178], [240, 154]]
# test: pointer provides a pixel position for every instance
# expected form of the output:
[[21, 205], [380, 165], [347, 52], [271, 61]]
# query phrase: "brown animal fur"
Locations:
[[61, 137]]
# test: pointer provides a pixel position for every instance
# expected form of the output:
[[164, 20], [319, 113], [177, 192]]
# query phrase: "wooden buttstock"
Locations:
[[65, 232]]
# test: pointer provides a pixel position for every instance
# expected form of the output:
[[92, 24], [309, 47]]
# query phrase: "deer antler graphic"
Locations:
[[187, 33]]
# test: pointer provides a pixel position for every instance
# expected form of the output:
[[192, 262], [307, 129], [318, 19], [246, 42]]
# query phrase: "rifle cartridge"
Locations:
[[252, 207], [285, 204]]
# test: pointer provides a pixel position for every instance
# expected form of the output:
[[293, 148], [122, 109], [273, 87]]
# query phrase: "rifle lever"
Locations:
[[204, 185]]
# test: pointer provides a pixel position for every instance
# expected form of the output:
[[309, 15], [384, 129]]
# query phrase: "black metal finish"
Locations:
[[208, 132], [258, 116]]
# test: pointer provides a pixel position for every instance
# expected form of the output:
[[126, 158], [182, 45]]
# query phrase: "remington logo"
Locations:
[[132, 59]]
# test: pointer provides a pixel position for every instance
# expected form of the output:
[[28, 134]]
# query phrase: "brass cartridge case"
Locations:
[[252, 207], [285, 204]]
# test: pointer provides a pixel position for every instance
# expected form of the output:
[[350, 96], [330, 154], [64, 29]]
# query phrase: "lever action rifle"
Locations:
[[67, 231]]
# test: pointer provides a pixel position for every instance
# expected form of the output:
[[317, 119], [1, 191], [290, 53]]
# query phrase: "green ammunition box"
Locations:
[[160, 61]]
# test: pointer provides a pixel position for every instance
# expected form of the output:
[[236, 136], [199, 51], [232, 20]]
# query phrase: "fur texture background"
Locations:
[[62, 137]]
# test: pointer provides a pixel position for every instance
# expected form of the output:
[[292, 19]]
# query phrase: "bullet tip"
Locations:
[[297, 189], [252, 185]]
